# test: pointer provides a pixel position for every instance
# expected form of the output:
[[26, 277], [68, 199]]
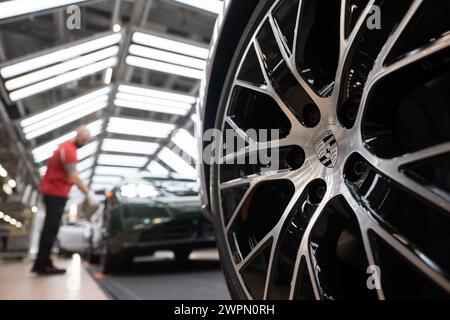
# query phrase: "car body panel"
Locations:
[[139, 226]]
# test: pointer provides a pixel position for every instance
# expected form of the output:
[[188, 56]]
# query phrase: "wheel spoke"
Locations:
[[392, 169], [408, 60], [422, 154], [304, 251], [407, 251], [254, 179], [365, 223], [398, 32], [288, 238], [289, 112]]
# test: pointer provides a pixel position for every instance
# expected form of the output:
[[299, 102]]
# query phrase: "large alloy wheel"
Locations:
[[358, 206]]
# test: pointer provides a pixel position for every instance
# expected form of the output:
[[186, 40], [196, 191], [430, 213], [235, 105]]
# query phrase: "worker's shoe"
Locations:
[[48, 271]]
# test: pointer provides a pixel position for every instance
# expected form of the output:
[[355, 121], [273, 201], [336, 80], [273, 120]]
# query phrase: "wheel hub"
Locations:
[[327, 149]]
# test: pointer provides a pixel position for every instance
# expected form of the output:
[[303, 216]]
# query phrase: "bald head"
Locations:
[[83, 136]]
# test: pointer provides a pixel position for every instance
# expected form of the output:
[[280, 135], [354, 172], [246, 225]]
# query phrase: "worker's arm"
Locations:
[[76, 180]]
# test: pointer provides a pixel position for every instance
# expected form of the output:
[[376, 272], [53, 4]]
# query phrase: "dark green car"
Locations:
[[143, 215]]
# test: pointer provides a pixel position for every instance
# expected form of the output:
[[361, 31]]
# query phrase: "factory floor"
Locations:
[[157, 277], [18, 283]]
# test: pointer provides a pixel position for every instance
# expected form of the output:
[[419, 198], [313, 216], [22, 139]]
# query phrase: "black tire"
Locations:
[[335, 149], [182, 255], [109, 263], [232, 281], [113, 263], [92, 257]]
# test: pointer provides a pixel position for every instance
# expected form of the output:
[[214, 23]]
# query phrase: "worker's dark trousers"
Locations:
[[54, 211]]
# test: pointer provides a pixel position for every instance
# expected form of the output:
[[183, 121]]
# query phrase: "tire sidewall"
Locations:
[[233, 283]]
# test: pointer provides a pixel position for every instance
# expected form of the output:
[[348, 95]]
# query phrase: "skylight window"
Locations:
[[139, 127], [159, 53], [50, 70], [158, 170], [177, 163], [125, 161], [185, 141], [46, 150], [65, 113], [129, 146]]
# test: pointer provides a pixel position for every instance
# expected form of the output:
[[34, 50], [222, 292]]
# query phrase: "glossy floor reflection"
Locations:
[[160, 277], [16, 282]]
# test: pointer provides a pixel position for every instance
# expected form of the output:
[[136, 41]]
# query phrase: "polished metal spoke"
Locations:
[[393, 39], [391, 169], [424, 154], [379, 70], [422, 263], [304, 249], [257, 178], [365, 222], [238, 130], [295, 123], [289, 59], [425, 52], [255, 147], [347, 43]]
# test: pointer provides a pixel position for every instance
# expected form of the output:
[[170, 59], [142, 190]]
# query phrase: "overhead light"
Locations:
[[150, 107], [158, 170], [10, 9], [38, 118], [60, 68], [62, 79], [34, 209], [177, 163], [46, 150], [85, 164], [7, 189], [169, 57], [164, 67], [59, 55], [108, 75], [106, 179], [3, 172], [184, 140], [214, 6], [1, 215], [139, 127], [117, 27], [65, 118], [19, 224], [12, 183], [87, 150], [164, 43], [13, 221], [86, 174], [115, 171], [7, 218], [158, 94], [153, 101], [129, 146], [123, 161]]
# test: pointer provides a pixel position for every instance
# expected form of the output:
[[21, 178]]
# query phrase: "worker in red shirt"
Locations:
[[61, 175]]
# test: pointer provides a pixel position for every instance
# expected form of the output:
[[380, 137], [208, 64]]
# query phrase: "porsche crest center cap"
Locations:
[[327, 149]]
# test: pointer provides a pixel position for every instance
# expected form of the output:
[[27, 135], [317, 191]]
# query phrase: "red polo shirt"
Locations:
[[56, 180]]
